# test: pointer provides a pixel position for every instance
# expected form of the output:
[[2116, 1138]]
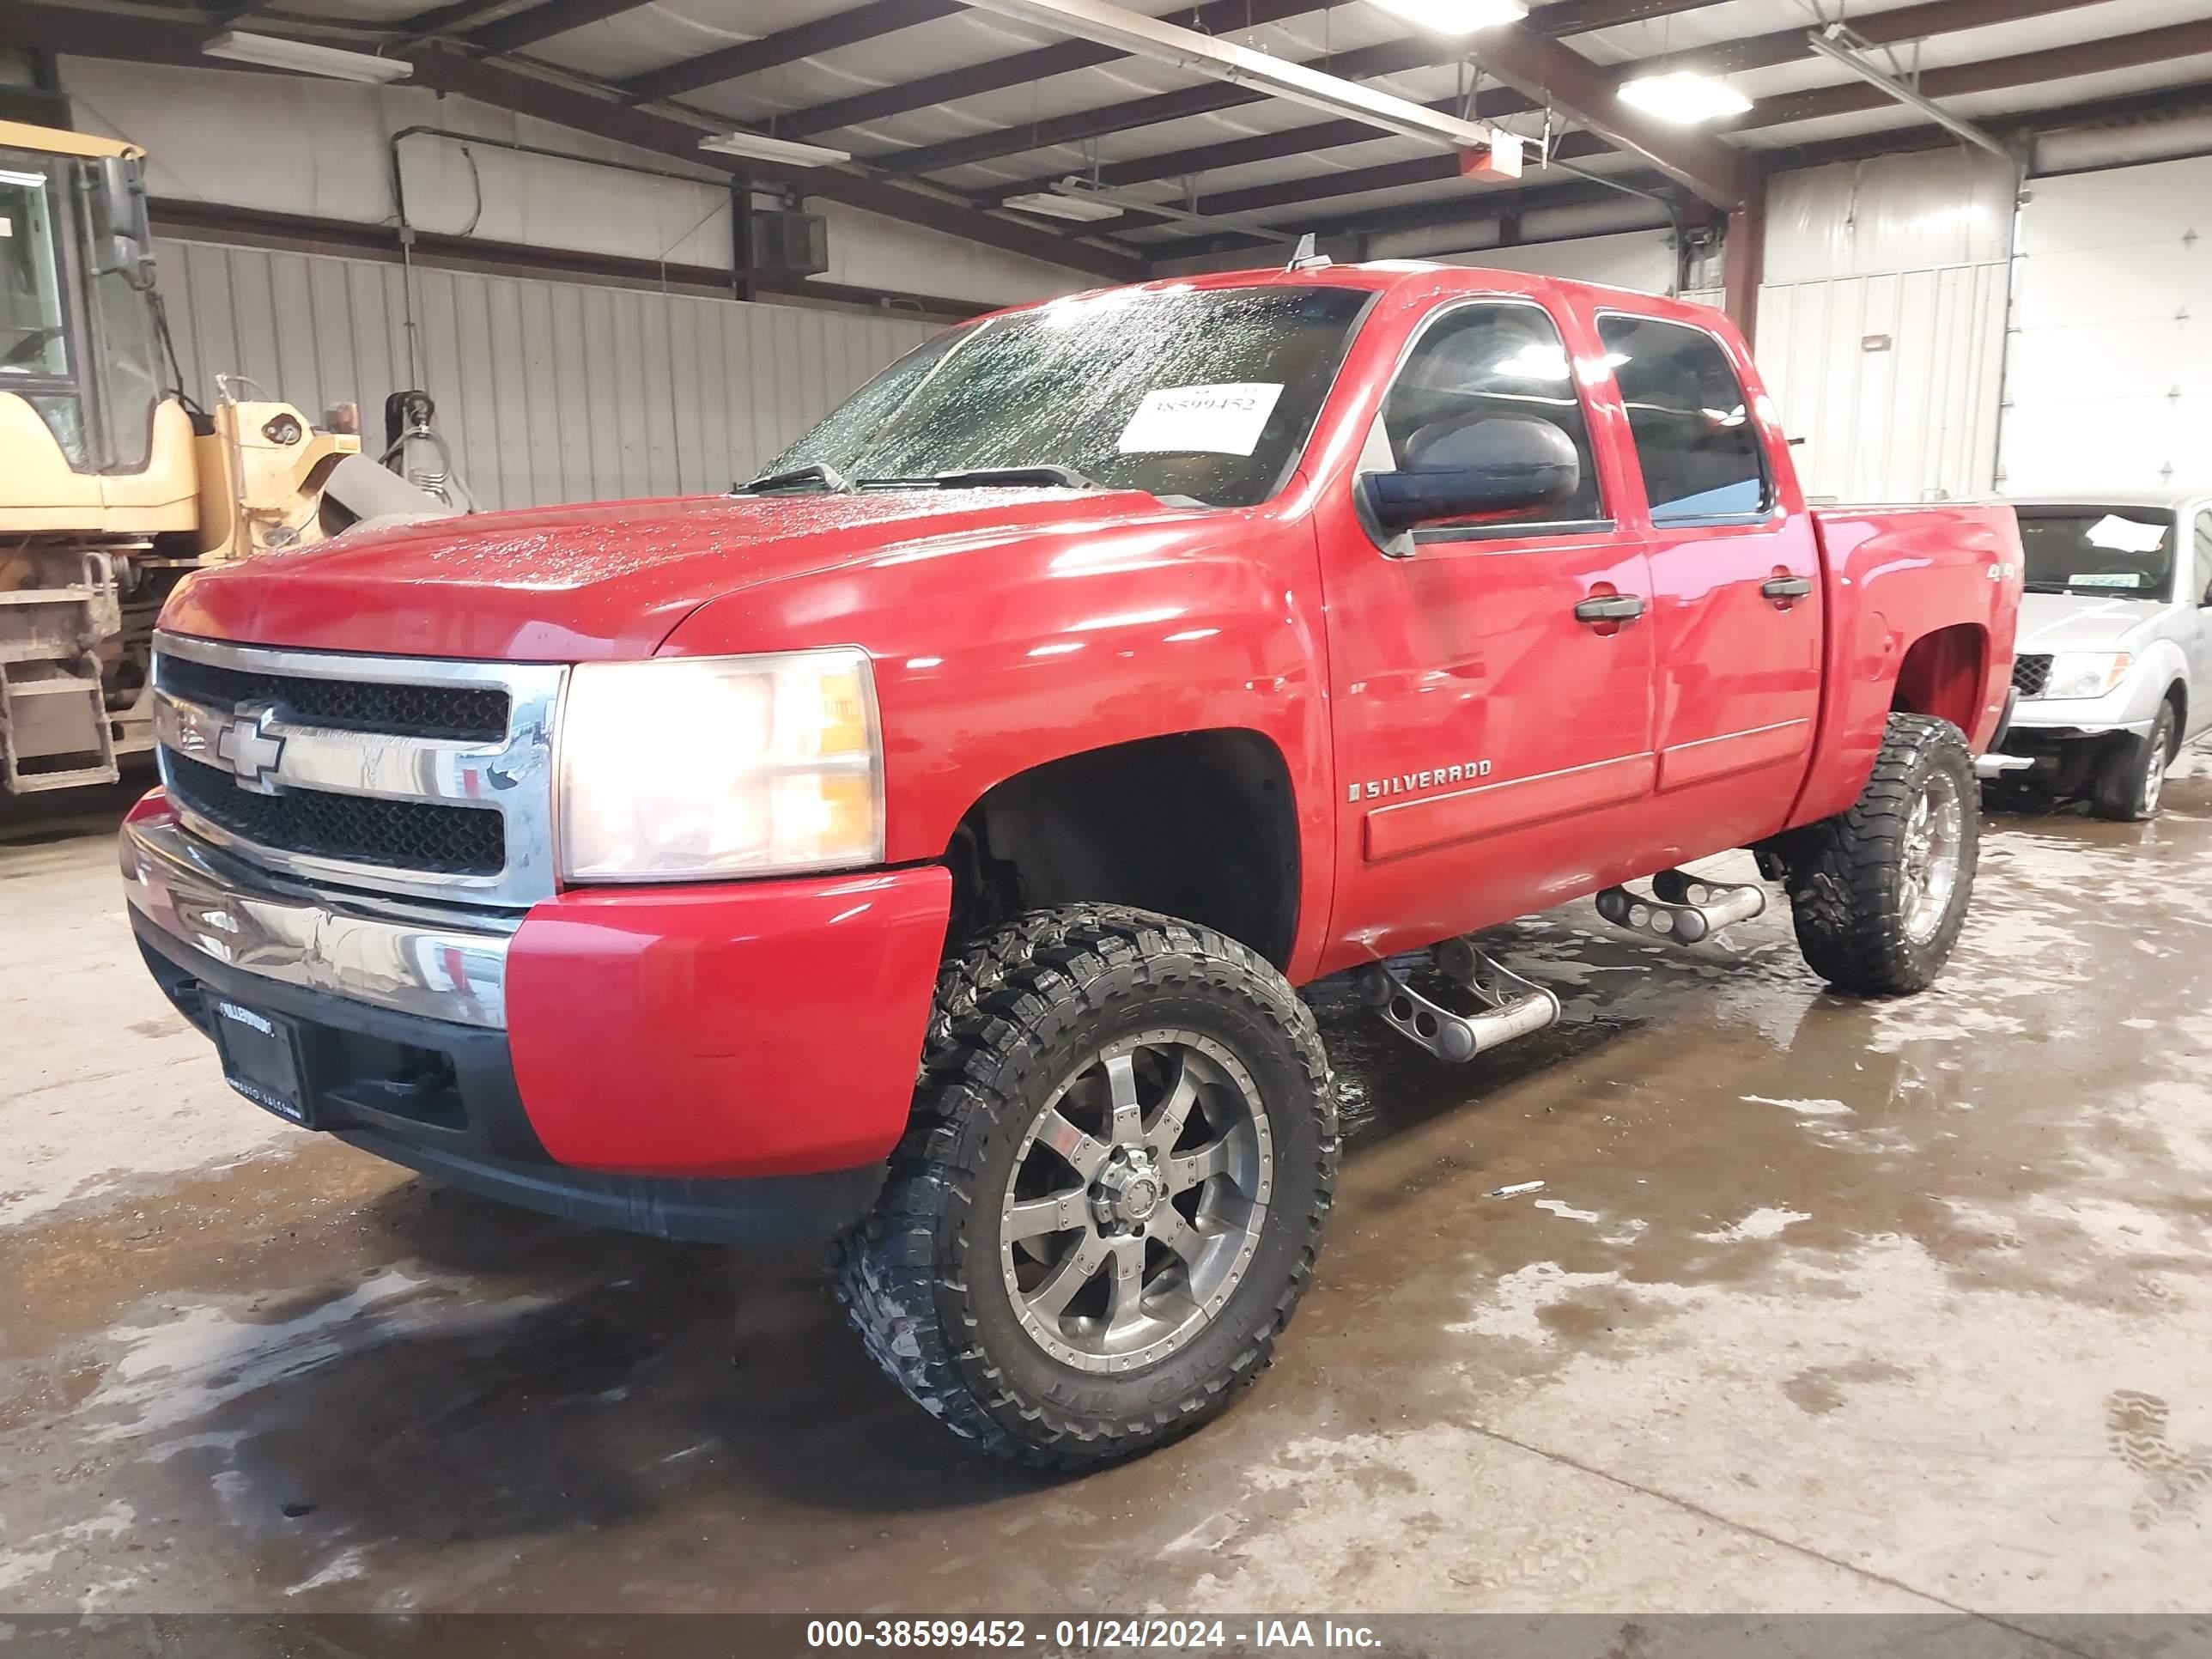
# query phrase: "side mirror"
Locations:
[[1495, 464], [120, 221]]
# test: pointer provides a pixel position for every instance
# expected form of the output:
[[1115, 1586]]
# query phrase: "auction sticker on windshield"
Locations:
[[1218, 420], [2117, 535]]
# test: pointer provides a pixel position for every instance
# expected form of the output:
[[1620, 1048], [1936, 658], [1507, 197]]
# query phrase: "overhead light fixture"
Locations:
[[335, 62], [1082, 210], [1838, 45], [1683, 98], [1090, 197], [781, 152], [1492, 153], [1454, 18]]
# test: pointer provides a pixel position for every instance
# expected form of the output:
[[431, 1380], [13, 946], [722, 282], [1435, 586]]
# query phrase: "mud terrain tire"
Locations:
[[943, 1281], [1874, 910]]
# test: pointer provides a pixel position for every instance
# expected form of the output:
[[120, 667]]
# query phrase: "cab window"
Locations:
[[1701, 456], [1478, 361]]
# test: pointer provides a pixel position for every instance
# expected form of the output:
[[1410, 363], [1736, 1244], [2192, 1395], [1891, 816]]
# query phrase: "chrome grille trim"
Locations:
[[514, 776]]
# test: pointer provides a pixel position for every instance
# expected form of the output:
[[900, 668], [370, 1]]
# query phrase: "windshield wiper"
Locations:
[[1037, 476], [2043, 587], [818, 475]]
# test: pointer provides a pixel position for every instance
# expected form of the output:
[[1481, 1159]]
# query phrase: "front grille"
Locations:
[[470, 714], [459, 841], [2030, 675]]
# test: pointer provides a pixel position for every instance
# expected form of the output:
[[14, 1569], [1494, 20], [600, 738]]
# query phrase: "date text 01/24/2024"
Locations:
[[1086, 1635]]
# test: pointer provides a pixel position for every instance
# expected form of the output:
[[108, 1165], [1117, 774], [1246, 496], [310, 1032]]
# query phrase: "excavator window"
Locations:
[[34, 329]]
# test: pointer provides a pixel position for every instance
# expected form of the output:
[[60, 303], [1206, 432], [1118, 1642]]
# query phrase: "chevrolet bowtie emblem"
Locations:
[[244, 746]]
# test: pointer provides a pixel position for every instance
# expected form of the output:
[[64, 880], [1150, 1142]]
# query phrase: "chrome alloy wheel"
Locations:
[[1928, 863], [1136, 1202]]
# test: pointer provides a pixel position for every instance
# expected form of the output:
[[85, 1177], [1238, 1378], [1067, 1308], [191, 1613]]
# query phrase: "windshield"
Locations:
[[1208, 394], [2118, 552], [31, 338]]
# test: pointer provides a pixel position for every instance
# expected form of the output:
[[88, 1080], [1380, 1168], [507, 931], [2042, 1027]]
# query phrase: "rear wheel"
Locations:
[[2133, 777], [1112, 1193], [1878, 893]]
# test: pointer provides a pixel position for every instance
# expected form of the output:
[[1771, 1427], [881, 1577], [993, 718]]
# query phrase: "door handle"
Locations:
[[1611, 608], [1780, 588]]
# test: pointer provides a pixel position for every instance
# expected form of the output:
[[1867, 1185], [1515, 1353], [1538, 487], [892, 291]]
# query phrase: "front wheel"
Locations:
[[1879, 892], [2133, 776], [1111, 1195]]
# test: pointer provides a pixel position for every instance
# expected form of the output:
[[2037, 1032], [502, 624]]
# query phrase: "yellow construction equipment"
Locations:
[[114, 486]]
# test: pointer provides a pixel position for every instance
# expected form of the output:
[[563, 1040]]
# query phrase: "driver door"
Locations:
[[1493, 728]]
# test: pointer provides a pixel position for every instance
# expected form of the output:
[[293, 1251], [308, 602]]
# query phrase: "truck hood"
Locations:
[[2051, 622], [608, 581]]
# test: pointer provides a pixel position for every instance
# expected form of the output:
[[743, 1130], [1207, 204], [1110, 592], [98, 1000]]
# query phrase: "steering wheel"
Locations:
[[33, 341]]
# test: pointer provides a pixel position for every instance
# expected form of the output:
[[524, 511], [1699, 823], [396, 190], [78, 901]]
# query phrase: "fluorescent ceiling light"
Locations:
[[783, 152], [1185, 48], [275, 52], [1452, 18], [1053, 205], [1090, 196], [1683, 98]]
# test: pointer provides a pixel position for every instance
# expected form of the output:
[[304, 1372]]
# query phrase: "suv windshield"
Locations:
[[1208, 394], [2121, 552]]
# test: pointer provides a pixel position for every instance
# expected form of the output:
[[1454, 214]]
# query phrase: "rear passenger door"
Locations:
[[1737, 591], [1494, 747]]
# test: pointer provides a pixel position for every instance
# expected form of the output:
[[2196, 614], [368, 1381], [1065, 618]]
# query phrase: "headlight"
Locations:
[[2086, 673], [685, 767]]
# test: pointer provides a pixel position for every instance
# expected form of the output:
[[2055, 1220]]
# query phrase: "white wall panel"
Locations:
[[547, 390], [1881, 321], [2109, 383], [1890, 379]]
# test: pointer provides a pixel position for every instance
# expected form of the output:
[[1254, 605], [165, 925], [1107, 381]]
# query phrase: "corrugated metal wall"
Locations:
[[2110, 385], [1881, 322], [547, 390], [1891, 381]]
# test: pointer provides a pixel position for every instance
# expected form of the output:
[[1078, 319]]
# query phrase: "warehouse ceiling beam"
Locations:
[[839, 28], [1848, 51], [2194, 98], [1389, 58], [1559, 78], [544, 21], [2090, 56], [1763, 50], [1482, 150], [1988, 75], [1022, 68], [89, 33]]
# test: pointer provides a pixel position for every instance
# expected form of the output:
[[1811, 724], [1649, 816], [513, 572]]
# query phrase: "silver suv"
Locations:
[[2113, 665]]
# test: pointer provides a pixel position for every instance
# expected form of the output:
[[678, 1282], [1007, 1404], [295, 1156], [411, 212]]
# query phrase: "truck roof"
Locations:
[[1382, 274]]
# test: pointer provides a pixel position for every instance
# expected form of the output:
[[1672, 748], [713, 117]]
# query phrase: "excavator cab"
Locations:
[[114, 485]]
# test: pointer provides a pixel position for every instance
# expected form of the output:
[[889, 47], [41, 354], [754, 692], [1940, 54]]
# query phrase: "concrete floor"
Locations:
[[1822, 1305]]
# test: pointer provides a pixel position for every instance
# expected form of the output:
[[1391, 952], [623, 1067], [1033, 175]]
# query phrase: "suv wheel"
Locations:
[[1111, 1195], [1879, 892], [2133, 776]]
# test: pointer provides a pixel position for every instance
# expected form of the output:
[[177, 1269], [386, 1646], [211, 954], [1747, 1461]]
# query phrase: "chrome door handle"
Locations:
[[1786, 588], [1613, 607]]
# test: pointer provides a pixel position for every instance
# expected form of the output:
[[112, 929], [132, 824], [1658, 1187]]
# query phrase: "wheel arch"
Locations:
[[1942, 674], [1202, 825]]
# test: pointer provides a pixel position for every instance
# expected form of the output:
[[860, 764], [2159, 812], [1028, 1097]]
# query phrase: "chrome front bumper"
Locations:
[[409, 959]]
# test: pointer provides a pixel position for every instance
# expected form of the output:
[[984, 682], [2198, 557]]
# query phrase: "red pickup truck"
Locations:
[[918, 846]]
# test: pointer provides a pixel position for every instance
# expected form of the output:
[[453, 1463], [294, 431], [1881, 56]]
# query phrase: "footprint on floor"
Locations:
[[2175, 1480]]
